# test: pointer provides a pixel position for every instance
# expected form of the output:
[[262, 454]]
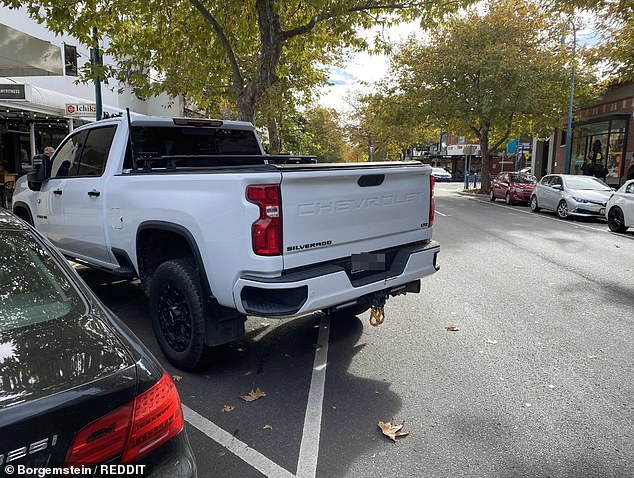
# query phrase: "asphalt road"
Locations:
[[537, 382]]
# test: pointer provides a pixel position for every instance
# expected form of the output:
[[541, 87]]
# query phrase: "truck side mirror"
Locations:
[[41, 171]]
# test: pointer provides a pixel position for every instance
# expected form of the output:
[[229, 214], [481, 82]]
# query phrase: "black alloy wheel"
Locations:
[[491, 195], [507, 198], [616, 221], [178, 312]]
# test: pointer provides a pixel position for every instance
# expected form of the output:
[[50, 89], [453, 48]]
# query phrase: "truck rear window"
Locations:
[[196, 141], [33, 288]]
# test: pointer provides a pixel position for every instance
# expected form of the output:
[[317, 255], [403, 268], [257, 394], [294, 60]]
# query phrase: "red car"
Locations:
[[513, 187]]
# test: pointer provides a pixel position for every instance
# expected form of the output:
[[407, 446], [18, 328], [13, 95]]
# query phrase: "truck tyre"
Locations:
[[177, 311]]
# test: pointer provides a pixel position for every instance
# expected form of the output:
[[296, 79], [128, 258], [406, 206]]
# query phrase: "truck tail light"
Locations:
[[132, 430], [432, 205], [266, 232]]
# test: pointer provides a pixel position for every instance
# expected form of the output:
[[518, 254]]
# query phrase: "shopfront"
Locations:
[[601, 143]]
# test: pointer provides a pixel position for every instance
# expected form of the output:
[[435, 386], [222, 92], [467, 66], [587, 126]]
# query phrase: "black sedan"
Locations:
[[77, 388]]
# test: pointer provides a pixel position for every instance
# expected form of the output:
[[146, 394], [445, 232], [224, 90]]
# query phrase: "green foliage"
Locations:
[[323, 127], [390, 123], [217, 51], [490, 75]]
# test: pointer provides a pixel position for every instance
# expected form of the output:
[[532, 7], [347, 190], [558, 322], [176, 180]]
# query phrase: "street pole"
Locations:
[[96, 62], [572, 93]]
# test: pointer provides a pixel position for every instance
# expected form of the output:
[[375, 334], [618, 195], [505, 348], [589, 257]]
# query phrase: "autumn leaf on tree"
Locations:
[[253, 395], [392, 430]]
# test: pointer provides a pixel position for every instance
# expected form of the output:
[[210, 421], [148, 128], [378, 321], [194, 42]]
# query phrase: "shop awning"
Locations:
[[25, 55]]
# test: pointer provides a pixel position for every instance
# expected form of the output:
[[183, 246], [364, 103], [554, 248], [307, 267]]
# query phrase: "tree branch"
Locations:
[[327, 15], [506, 134], [238, 80]]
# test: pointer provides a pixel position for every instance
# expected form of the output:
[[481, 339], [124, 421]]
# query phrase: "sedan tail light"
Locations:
[[132, 430]]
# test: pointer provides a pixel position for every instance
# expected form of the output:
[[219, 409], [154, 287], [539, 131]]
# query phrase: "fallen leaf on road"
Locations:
[[317, 346], [264, 324], [491, 341], [392, 430], [593, 356], [253, 395], [452, 328], [267, 427], [177, 378], [228, 408]]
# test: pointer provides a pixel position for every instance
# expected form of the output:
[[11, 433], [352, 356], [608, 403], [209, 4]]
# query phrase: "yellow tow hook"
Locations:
[[377, 315]]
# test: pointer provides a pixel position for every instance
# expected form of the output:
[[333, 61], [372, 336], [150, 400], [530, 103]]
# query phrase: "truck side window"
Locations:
[[67, 157], [95, 152]]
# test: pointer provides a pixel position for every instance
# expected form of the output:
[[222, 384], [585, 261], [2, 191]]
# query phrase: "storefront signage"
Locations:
[[76, 110], [12, 92]]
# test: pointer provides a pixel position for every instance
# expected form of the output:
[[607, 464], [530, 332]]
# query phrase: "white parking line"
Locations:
[[309, 448], [440, 213], [235, 446]]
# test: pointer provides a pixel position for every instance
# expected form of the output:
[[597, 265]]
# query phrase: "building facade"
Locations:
[[603, 135], [40, 99]]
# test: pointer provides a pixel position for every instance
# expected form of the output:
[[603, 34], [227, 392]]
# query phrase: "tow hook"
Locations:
[[377, 309]]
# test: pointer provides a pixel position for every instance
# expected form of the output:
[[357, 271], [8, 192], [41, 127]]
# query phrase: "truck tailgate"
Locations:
[[334, 211]]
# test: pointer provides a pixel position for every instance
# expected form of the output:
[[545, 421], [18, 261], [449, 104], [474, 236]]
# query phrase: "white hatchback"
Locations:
[[620, 209]]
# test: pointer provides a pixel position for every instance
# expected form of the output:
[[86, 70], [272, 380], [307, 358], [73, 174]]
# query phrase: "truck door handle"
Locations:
[[57, 192], [94, 194]]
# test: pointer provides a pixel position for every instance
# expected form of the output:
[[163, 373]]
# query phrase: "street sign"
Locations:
[[75, 110]]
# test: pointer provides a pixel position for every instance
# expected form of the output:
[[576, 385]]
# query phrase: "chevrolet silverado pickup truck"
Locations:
[[216, 229]]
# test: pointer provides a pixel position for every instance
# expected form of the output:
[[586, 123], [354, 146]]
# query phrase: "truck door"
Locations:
[[83, 210], [49, 199]]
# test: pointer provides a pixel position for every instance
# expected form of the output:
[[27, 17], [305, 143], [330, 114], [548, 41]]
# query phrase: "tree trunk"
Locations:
[[275, 142], [271, 41], [485, 172]]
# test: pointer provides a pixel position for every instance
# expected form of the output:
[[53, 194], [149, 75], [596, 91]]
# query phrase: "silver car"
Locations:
[[620, 209], [441, 174], [571, 195]]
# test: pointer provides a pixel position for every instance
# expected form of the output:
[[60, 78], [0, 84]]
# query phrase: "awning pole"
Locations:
[[32, 139]]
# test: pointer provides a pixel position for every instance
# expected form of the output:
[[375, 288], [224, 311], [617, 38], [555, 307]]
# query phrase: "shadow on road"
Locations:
[[277, 357]]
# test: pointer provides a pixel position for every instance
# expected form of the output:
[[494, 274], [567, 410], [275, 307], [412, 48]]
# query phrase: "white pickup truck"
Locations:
[[215, 229]]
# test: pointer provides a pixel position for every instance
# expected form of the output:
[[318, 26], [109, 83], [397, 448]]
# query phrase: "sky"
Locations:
[[361, 67]]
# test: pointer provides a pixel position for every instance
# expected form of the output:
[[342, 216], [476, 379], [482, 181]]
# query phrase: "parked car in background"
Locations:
[[441, 174], [620, 209], [77, 388], [512, 187], [571, 195], [527, 170]]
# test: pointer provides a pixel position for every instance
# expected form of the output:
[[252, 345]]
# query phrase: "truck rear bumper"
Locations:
[[332, 284]]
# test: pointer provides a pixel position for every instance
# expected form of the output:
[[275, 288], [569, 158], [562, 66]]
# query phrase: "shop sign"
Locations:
[[12, 92], [75, 110]]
